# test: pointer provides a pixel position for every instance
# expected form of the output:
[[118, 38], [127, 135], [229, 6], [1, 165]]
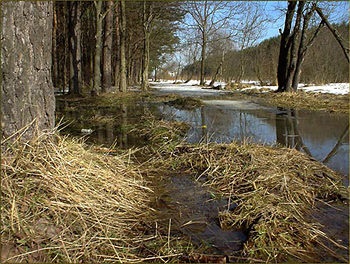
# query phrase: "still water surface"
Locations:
[[321, 135]]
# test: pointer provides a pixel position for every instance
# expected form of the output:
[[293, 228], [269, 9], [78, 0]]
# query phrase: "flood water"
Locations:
[[322, 135]]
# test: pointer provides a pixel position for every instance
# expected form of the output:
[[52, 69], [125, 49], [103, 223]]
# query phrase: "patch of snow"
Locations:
[[332, 88], [186, 89], [193, 85]]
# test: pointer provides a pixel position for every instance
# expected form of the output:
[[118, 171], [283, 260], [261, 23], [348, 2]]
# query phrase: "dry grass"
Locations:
[[274, 190], [304, 100], [159, 133], [63, 203]]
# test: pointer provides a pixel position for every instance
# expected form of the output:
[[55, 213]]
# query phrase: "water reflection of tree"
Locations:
[[334, 150], [287, 132], [123, 136]]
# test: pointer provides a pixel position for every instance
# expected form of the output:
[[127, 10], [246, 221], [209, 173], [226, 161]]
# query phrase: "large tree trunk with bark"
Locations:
[[27, 92]]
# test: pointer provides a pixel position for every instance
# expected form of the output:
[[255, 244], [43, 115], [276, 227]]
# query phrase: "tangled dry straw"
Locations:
[[304, 100], [62, 202], [273, 190]]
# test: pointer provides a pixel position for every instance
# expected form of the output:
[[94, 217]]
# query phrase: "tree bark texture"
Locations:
[[295, 41], [147, 19], [54, 47], [98, 48], [27, 90], [122, 81], [203, 55], [75, 47], [117, 44], [107, 49], [282, 68]]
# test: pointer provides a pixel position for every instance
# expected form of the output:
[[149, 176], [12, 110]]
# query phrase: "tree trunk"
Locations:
[[54, 47], [204, 46], [218, 70], [147, 18], [98, 48], [107, 49], [75, 47], [334, 32], [282, 68], [303, 47], [27, 92], [295, 41], [117, 40], [66, 46], [122, 83]]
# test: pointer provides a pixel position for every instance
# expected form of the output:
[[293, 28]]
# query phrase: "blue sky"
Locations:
[[273, 8]]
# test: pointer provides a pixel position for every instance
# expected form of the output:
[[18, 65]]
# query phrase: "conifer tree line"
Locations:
[[105, 46]]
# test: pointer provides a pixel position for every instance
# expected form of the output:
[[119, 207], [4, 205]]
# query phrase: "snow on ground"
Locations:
[[332, 88], [193, 86]]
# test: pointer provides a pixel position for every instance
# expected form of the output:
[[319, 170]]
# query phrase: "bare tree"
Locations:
[[295, 43], [252, 25], [335, 33], [210, 17], [207, 18]]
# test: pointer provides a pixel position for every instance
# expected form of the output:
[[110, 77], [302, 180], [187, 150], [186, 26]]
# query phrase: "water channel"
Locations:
[[322, 135]]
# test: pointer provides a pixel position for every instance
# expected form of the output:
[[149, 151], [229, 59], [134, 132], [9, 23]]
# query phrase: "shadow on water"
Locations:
[[323, 136]]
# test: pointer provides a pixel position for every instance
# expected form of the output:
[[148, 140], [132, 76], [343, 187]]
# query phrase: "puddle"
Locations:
[[322, 135], [194, 212], [191, 206], [242, 105]]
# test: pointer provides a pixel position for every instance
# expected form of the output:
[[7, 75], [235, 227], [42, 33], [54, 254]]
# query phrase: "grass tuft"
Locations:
[[61, 202], [273, 190]]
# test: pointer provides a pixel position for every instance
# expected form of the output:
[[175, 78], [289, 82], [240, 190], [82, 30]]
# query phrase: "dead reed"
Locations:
[[62, 202], [273, 189], [304, 100]]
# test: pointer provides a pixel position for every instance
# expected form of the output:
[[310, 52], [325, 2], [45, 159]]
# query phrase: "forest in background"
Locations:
[[94, 40], [104, 46], [324, 62]]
